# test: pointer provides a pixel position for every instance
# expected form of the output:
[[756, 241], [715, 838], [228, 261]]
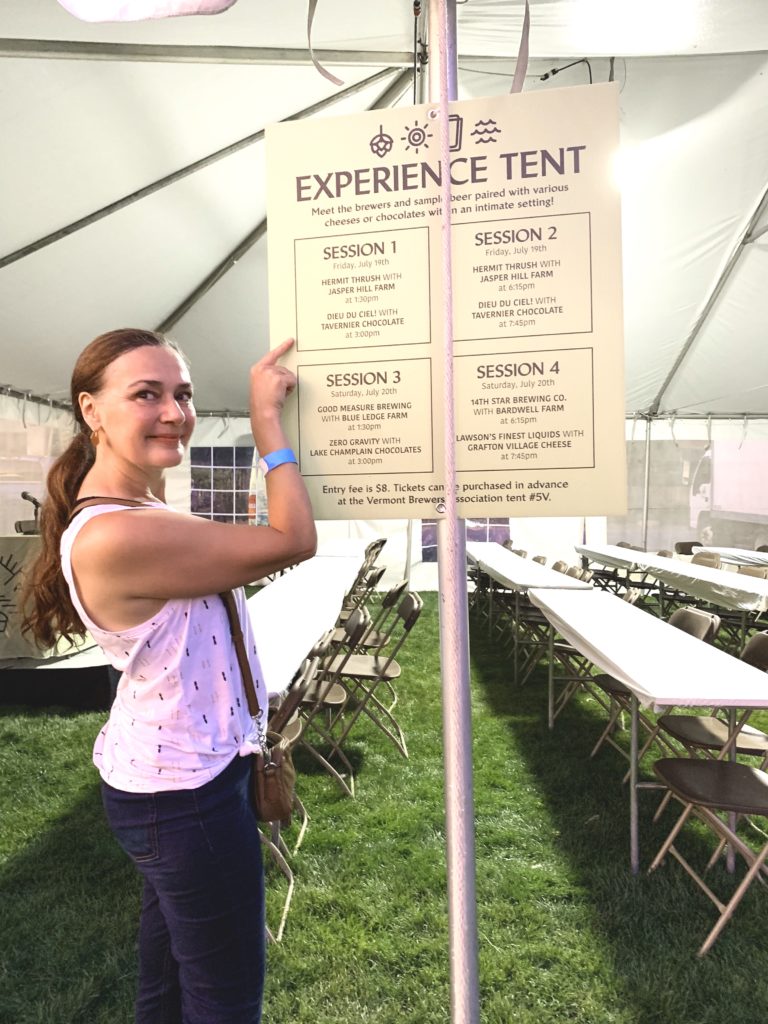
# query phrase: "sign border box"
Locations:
[[538, 469], [347, 234], [540, 334], [374, 472]]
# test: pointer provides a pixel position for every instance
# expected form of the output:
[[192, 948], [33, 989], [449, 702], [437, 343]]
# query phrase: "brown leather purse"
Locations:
[[273, 776]]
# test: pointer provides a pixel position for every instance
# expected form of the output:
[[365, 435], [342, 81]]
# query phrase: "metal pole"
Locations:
[[153, 53], [646, 481], [452, 566]]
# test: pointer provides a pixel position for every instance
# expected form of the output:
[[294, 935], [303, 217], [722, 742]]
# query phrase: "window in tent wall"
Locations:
[[476, 529], [221, 481]]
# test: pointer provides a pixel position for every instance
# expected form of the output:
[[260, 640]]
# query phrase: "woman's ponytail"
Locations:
[[45, 599]]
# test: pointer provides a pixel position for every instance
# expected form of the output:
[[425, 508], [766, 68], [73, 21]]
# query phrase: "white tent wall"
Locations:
[[81, 133], [701, 479]]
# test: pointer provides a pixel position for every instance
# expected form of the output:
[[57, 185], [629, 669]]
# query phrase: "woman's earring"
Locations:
[[95, 438]]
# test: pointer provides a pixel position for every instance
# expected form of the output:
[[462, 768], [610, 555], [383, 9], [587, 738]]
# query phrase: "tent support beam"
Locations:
[[70, 49], [78, 49], [390, 96], [215, 275], [745, 239], [184, 172]]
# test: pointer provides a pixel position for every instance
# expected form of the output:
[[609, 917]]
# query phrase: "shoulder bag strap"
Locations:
[[82, 503], [289, 703], [242, 658]]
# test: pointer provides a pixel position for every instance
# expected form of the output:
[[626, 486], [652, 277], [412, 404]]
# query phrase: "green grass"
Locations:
[[566, 934]]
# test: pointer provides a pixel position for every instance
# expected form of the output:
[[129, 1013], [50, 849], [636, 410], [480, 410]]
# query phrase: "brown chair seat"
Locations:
[[718, 785], [611, 685], [705, 732]]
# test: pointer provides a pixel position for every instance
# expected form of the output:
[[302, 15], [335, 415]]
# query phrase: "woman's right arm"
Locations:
[[159, 554]]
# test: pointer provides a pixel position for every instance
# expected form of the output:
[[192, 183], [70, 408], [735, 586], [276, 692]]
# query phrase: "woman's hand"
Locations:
[[270, 386]]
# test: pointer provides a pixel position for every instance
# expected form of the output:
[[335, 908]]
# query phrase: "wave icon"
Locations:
[[486, 131]]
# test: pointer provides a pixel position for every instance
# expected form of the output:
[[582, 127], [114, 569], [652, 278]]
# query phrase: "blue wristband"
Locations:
[[275, 459]]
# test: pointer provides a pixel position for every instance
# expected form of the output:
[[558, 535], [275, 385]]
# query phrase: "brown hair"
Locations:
[[45, 598]]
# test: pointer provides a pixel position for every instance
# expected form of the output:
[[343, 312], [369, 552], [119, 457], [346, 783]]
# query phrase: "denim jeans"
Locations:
[[202, 937]]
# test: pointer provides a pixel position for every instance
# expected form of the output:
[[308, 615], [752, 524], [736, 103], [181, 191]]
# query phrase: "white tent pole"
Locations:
[[452, 569], [153, 53], [647, 481]]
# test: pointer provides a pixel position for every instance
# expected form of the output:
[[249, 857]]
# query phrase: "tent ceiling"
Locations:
[[81, 134]]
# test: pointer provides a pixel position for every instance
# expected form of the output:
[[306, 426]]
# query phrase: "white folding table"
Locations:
[[662, 666], [518, 575], [290, 614], [740, 556]]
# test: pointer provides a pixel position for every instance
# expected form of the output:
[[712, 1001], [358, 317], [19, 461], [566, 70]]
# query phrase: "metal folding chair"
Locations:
[[708, 734], [707, 789], [285, 719], [362, 674], [703, 625], [325, 698]]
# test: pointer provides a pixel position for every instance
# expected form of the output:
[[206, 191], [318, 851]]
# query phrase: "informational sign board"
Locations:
[[356, 236]]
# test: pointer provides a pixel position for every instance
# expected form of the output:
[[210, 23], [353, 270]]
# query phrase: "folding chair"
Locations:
[[324, 699], [698, 623], [686, 547], [362, 674], [759, 571], [708, 734], [380, 627], [372, 552], [361, 590], [285, 719], [707, 789], [710, 558]]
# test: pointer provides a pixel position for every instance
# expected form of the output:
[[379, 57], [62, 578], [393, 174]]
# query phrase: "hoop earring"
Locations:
[[95, 438]]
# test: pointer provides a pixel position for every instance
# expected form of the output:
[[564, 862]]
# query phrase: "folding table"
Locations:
[[717, 586], [290, 614], [518, 575], [740, 556], [661, 665]]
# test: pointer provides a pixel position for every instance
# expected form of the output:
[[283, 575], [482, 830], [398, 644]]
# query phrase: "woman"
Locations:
[[144, 580]]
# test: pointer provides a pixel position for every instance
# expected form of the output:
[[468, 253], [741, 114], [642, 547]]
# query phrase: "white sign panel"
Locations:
[[355, 248]]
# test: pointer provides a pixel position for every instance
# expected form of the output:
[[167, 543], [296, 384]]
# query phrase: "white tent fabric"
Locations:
[[80, 134]]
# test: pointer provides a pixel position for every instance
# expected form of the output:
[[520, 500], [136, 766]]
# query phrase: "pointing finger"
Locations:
[[277, 353]]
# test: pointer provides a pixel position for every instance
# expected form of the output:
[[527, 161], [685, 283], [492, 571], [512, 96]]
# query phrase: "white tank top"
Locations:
[[180, 714]]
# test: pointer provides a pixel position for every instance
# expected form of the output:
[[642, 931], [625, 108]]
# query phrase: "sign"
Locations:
[[355, 250]]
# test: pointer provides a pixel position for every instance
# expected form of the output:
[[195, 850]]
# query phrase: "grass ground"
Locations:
[[566, 934]]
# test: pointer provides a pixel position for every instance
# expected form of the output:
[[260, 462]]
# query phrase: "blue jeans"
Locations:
[[202, 937]]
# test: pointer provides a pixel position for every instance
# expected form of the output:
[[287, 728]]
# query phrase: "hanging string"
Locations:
[[310, 18], [416, 14], [743, 432], [709, 431], [522, 54], [672, 419], [226, 420]]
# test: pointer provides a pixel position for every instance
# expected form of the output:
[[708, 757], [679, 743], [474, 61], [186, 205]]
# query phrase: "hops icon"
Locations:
[[382, 143]]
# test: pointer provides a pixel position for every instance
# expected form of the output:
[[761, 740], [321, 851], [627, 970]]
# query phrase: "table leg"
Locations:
[[730, 853], [634, 839], [551, 688], [516, 627]]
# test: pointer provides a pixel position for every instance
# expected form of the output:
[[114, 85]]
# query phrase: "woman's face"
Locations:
[[144, 411]]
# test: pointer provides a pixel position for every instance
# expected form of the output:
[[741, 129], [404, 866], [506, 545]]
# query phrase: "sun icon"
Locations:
[[416, 137]]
